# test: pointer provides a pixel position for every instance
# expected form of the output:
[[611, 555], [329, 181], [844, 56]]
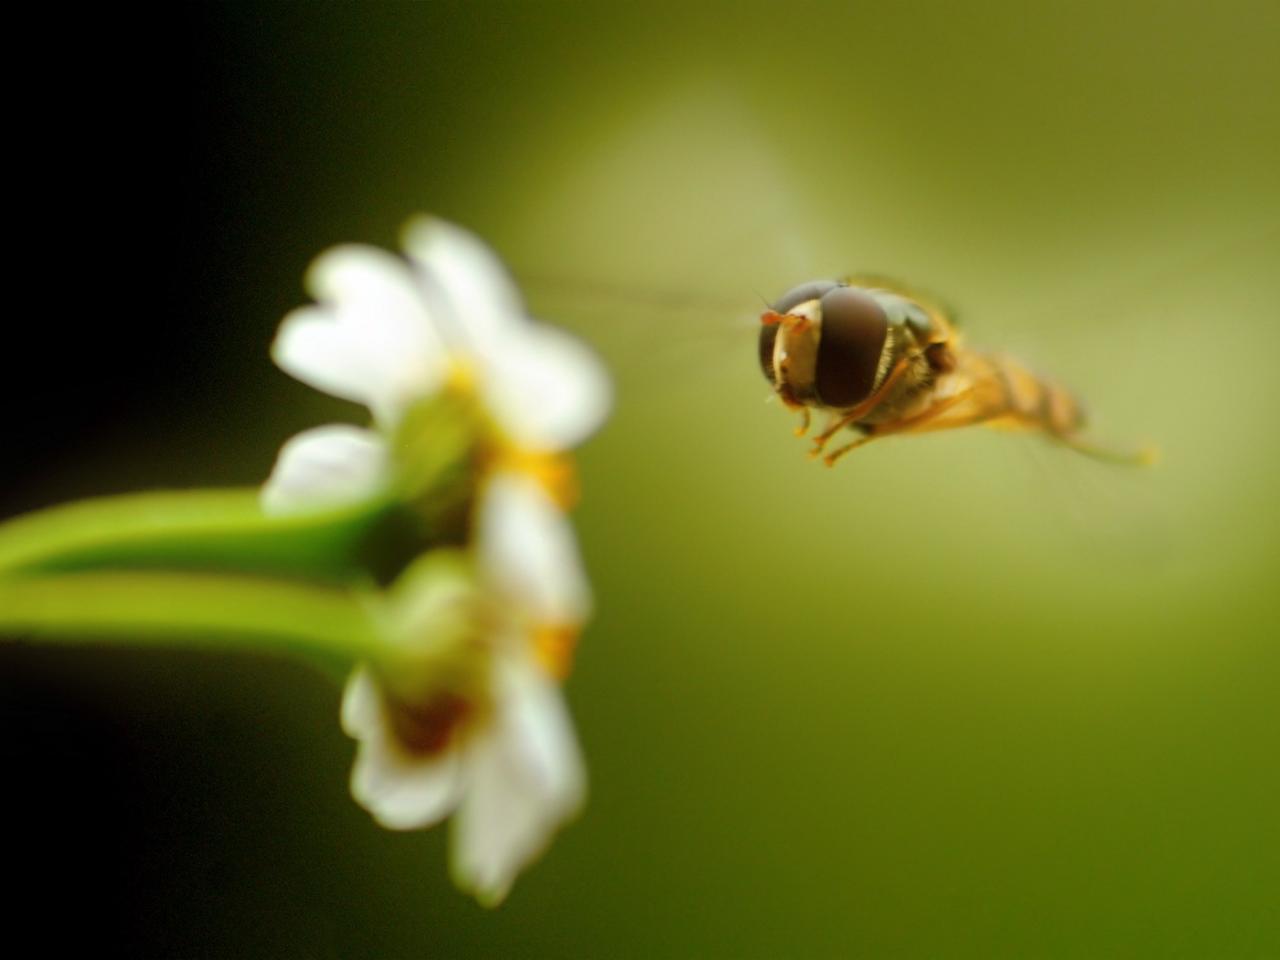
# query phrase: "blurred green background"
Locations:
[[964, 695]]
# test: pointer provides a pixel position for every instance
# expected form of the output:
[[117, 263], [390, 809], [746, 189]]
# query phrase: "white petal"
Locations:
[[478, 303], [343, 359], [547, 389], [326, 467], [524, 780], [403, 792], [378, 292], [370, 340], [528, 552]]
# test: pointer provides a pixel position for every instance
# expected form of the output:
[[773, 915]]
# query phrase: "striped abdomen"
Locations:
[[1019, 397]]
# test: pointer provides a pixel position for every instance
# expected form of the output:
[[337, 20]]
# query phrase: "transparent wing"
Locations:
[[660, 334]]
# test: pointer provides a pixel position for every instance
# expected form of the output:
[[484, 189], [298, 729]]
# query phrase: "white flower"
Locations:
[[510, 785], [387, 332], [503, 757], [498, 751], [391, 333]]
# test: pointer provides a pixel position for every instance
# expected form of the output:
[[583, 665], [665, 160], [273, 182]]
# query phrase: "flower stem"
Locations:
[[195, 529], [192, 610]]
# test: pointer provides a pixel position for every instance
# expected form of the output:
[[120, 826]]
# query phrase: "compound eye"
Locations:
[[768, 337], [854, 328], [802, 294]]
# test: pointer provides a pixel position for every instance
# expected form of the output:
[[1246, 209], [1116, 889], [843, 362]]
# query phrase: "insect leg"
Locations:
[[831, 458], [856, 413], [804, 422], [910, 424], [927, 420], [835, 424]]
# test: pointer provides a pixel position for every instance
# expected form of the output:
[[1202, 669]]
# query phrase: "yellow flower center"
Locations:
[[460, 376], [554, 645], [555, 473]]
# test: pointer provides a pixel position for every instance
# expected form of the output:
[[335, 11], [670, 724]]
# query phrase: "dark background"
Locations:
[[122, 210]]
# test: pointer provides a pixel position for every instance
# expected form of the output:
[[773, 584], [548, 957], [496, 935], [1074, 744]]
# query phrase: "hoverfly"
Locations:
[[881, 360]]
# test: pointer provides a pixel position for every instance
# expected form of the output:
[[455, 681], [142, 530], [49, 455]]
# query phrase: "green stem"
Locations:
[[200, 529], [192, 610]]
